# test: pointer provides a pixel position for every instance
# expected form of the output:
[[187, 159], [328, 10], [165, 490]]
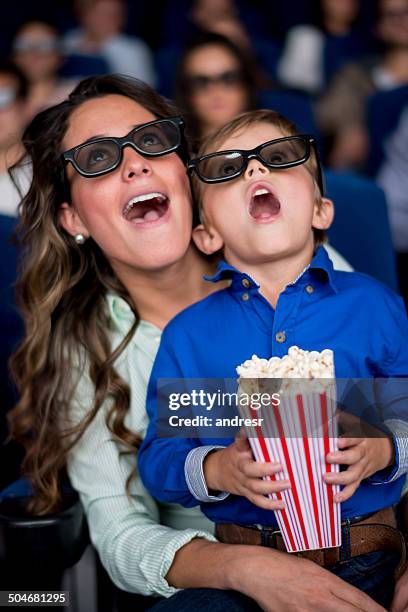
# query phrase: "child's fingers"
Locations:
[[266, 487], [241, 443], [347, 457], [352, 474], [255, 469], [346, 442], [244, 456], [264, 502], [346, 493]]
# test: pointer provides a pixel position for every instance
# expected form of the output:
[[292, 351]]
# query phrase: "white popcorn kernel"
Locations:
[[297, 364]]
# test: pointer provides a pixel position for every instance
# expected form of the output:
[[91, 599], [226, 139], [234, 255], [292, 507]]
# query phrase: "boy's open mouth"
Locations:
[[147, 207], [263, 205]]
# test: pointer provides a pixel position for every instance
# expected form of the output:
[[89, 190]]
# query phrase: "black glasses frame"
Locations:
[[256, 153], [227, 78], [122, 142]]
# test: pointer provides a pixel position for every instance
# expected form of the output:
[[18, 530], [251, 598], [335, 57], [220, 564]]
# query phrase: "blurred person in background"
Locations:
[[314, 52], [36, 50], [220, 17], [341, 112], [393, 178], [215, 82], [101, 34], [240, 22], [13, 100], [237, 20]]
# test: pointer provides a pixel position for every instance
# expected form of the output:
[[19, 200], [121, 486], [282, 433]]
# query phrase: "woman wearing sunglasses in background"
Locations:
[[108, 260], [215, 82]]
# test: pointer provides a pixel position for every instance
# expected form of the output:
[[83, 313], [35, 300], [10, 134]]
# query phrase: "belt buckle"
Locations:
[[269, 538]]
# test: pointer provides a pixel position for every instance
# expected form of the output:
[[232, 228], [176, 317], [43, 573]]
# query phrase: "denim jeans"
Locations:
[[371, 573], [206, 600]]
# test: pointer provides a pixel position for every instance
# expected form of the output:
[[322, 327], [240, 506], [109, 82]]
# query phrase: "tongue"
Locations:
[[147, 211], [151, 215], [264, 206]]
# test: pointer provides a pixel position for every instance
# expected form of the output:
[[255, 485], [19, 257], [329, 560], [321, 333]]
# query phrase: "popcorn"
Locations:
[[299, 432], [296, 364]]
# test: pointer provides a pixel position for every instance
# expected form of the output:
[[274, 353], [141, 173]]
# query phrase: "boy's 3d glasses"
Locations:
[[279, 154]]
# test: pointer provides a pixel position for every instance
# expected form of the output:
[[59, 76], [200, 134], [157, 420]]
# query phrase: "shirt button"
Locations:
[[246, 283], [245, 297], [309, 289], [280, 337]]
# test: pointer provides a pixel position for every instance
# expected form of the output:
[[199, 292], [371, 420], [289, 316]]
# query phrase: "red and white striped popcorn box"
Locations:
[[298, 433]]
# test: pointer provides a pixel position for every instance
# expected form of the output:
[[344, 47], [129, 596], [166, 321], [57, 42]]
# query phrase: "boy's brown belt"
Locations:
[[376, 532]]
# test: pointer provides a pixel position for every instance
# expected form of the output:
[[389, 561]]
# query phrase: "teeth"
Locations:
[[259, 192], [142, 198]]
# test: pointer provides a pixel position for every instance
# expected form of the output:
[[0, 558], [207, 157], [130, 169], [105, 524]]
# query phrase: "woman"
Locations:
[[216, 81], [107, 262], [37, 52]]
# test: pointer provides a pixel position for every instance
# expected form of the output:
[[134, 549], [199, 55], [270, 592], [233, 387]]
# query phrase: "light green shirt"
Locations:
[[136, 539]]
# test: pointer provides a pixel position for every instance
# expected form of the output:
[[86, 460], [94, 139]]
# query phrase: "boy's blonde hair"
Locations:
[[242, 121]]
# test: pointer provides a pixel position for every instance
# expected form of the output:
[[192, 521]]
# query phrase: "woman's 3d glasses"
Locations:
[[278, 154], [102, 155]]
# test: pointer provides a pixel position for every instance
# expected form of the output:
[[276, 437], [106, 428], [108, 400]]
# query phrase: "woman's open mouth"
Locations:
[[146, 208], [264, 206]]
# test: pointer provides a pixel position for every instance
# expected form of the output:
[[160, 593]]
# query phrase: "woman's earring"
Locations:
[[79, 238]]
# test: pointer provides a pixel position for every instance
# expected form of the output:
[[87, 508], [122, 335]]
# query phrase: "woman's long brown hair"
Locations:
[[61, 292]]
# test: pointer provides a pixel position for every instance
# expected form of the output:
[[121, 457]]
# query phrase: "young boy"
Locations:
[[261, 202]]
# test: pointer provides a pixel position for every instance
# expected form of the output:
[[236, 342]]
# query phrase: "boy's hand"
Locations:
[[364, 456], [233, 469]]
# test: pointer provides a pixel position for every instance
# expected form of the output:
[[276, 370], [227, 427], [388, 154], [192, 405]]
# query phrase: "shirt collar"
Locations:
[[122, 317], [224, 271], [321, 263]]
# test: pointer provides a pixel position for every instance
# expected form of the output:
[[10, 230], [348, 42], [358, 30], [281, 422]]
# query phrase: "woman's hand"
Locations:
[[364, 456], [277, 581], [234, 469], [280, 582]]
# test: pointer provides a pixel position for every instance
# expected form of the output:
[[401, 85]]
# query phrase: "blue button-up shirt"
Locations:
[[361, 320]]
